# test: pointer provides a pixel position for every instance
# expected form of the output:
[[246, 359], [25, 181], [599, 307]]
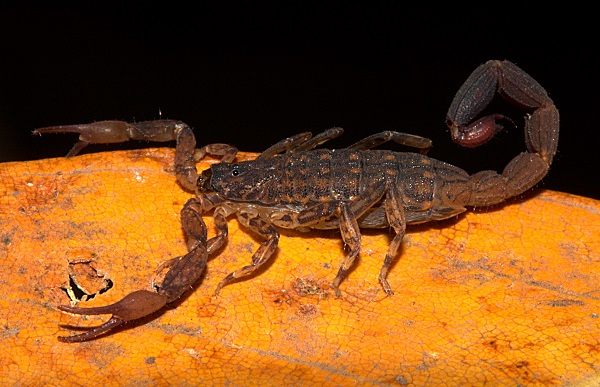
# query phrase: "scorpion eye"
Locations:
[[235, 172]]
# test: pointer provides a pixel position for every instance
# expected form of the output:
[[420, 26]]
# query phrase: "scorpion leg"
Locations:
[[184, 272], [317, 140], [411, 140], [351, 237], [284, 145], [347, 214], [541, 128], [264, 252], [301, 142], [395, 215], [220, 218], [351, 232]]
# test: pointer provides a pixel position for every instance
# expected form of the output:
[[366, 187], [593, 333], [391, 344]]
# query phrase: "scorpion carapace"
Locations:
[[294, 185]]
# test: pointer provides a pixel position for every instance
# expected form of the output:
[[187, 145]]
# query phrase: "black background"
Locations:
[[252, 76]]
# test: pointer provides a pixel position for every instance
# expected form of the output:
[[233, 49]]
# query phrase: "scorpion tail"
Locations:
[[541, 128]]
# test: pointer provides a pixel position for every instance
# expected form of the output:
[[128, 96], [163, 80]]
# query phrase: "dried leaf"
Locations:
[[502, 297]]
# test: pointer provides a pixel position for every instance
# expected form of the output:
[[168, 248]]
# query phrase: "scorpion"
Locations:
[[293, 185]]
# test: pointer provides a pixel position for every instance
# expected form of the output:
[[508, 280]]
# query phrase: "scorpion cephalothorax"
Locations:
[[293, 185]]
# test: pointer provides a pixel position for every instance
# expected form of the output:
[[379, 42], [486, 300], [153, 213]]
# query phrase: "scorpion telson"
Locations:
[[293, 185]]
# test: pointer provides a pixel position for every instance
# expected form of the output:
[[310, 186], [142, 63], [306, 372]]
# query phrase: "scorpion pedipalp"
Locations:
[[183, 273], [105, 132], [135, 305]]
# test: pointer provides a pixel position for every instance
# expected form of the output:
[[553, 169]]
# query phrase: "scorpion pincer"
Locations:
[[293, 185]]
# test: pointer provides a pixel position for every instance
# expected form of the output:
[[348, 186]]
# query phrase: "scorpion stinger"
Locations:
[[293, 185]]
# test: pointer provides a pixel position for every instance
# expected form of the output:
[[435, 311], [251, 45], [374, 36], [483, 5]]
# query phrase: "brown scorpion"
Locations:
[[292, 185]]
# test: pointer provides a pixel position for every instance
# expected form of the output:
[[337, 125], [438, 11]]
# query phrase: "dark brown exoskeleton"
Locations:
[[293, 185]]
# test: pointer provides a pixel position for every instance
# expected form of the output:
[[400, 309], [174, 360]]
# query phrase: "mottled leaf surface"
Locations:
[[508, 297]]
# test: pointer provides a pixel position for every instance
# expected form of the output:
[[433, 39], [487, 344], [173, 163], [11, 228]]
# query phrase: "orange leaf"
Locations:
[[503, 297]]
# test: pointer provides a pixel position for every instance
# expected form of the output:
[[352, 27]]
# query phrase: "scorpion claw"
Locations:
[[95, 133], [132, 307], [92, 333]]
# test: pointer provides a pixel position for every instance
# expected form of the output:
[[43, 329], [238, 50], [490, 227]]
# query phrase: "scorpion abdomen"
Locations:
[[430, 189]]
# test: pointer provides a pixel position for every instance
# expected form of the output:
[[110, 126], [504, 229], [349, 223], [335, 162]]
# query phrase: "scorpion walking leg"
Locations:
[[347, 214], [395, 216], [184, 272], [422, 143], [220, 218], [348, 228], [303, 142], [284, 145], [317, 140], [541, 128], [300, 142], [351, 237], [264, 252]]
